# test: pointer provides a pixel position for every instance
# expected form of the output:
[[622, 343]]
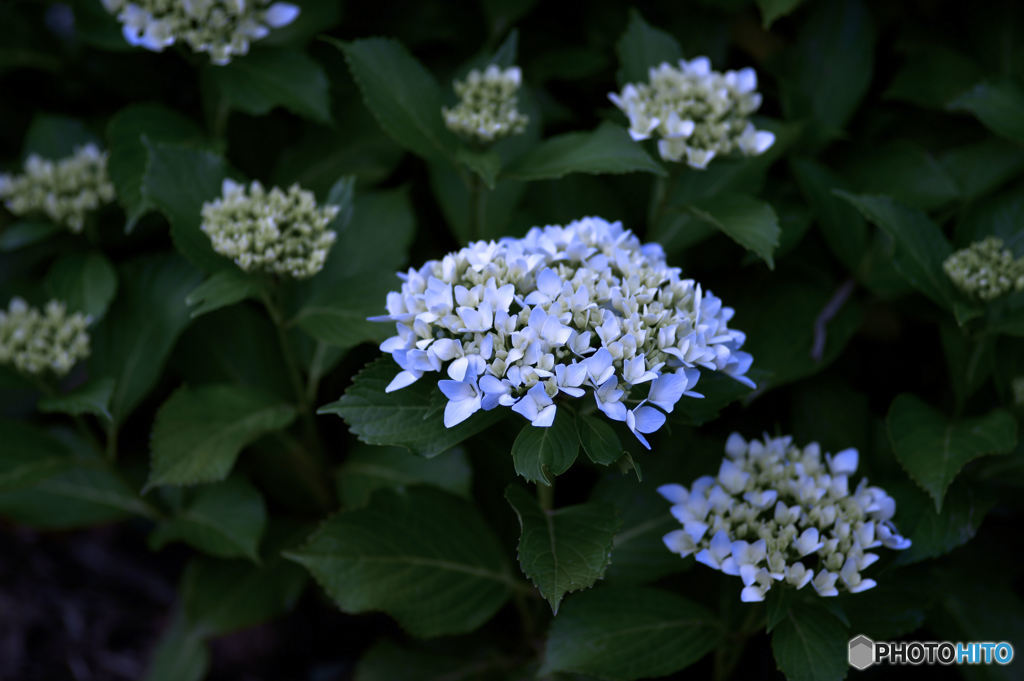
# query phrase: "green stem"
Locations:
[[477, 206], [659, 200], [546, 495], [728, 655], [315, 372]]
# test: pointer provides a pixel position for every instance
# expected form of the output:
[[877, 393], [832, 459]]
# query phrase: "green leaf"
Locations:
[[85, 281], [199, 432], [775, 9], [598, 439], [890, 610], [932, 75], [223, 596], [181, 654], [905, 171], [564, 550], [980, 168], [55, 137], [920, 246], [28, 455], [22, 234], [128, 158], [221, 289], [829, 69], [720, 391], [625, 633], [998, 104], [269, 77], [935, 533], [540, 454], [747, 221], [90, 398], [338, 316], [999, 216], [423, 556], [403, 96], [486, 164], [933, 449], [367, 469], [608, 149], [410, 417], [225, 519], [643, 47], [133, 341], [178, 181], [810, 644]]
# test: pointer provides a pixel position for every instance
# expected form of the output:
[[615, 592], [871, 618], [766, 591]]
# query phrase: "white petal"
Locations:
[[280, 14]]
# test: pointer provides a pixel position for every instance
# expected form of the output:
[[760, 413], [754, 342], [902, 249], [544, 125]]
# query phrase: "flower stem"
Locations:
[[315, 372], [659, 199], [477, 207], [546, 495]]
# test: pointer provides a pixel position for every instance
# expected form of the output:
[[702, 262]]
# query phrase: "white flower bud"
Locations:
[[487, 107], [36, 342]]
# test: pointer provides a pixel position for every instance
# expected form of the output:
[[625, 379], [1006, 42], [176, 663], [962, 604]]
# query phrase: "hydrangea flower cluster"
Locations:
[[698, 113], [985, 269], [779, 513], [63, 190], [487, 107], [37, 342], [278, 232], [222, 28], [559, 312]]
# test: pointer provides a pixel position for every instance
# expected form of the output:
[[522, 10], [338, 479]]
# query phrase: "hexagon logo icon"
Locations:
[[862, 652]]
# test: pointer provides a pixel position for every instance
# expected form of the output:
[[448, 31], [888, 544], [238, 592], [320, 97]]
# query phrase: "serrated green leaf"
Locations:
[[128, 158], [625, 633], [562, 550], [920, 246], [842, 226], [338, 316], [22, 234], [181, 654], [223, 288], [178, 181], [608, 149], [905, 171], [719, 391], [222, 596], [55, 137], [935, 533], [998, 104], [91, 398], [775, 9], [598, 438], [423, 556], [980, 168], [643, 47], [225, 519], [933, 449], [747, 221], [28, 455], [541, 454], [810, 644], [403, 96], [133, 341], [199, 432], [367, 469], [410, 417], [85, 281], [269, 77]]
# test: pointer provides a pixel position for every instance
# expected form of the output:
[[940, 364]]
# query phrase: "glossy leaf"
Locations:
[[747, 221], [367, 469], [540, 454], [86, 282]]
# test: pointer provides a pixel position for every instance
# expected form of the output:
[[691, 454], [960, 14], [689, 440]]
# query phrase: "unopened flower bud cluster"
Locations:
[[63, 190], [697, 113], [278, 232], [222, 28], [43, 341], [985, 269], [487, 107], [777, 513], [558, 313]]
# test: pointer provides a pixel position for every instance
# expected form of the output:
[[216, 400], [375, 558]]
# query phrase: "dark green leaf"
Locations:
[[178, 181], [932, 75], [643, 47], [21, 234], [774, 9], [540, 454], [55, 137], [368, 469], [221, 289], [904, 171], [998, 104], [133, 341], [338, 316], [225, 519], [935, 533], [810, 644], [91, 398], [423, 556], [625, 633], [980, 168], [181, 654], [608, 149], [410, 417], [28, 455], [563, 550], [747, 221], [269, 77], [199, 432], [599, 440], [403, 96], [933, 449], [85, 281]]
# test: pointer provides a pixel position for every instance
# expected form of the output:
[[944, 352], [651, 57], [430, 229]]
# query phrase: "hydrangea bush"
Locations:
[[401, 323]]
